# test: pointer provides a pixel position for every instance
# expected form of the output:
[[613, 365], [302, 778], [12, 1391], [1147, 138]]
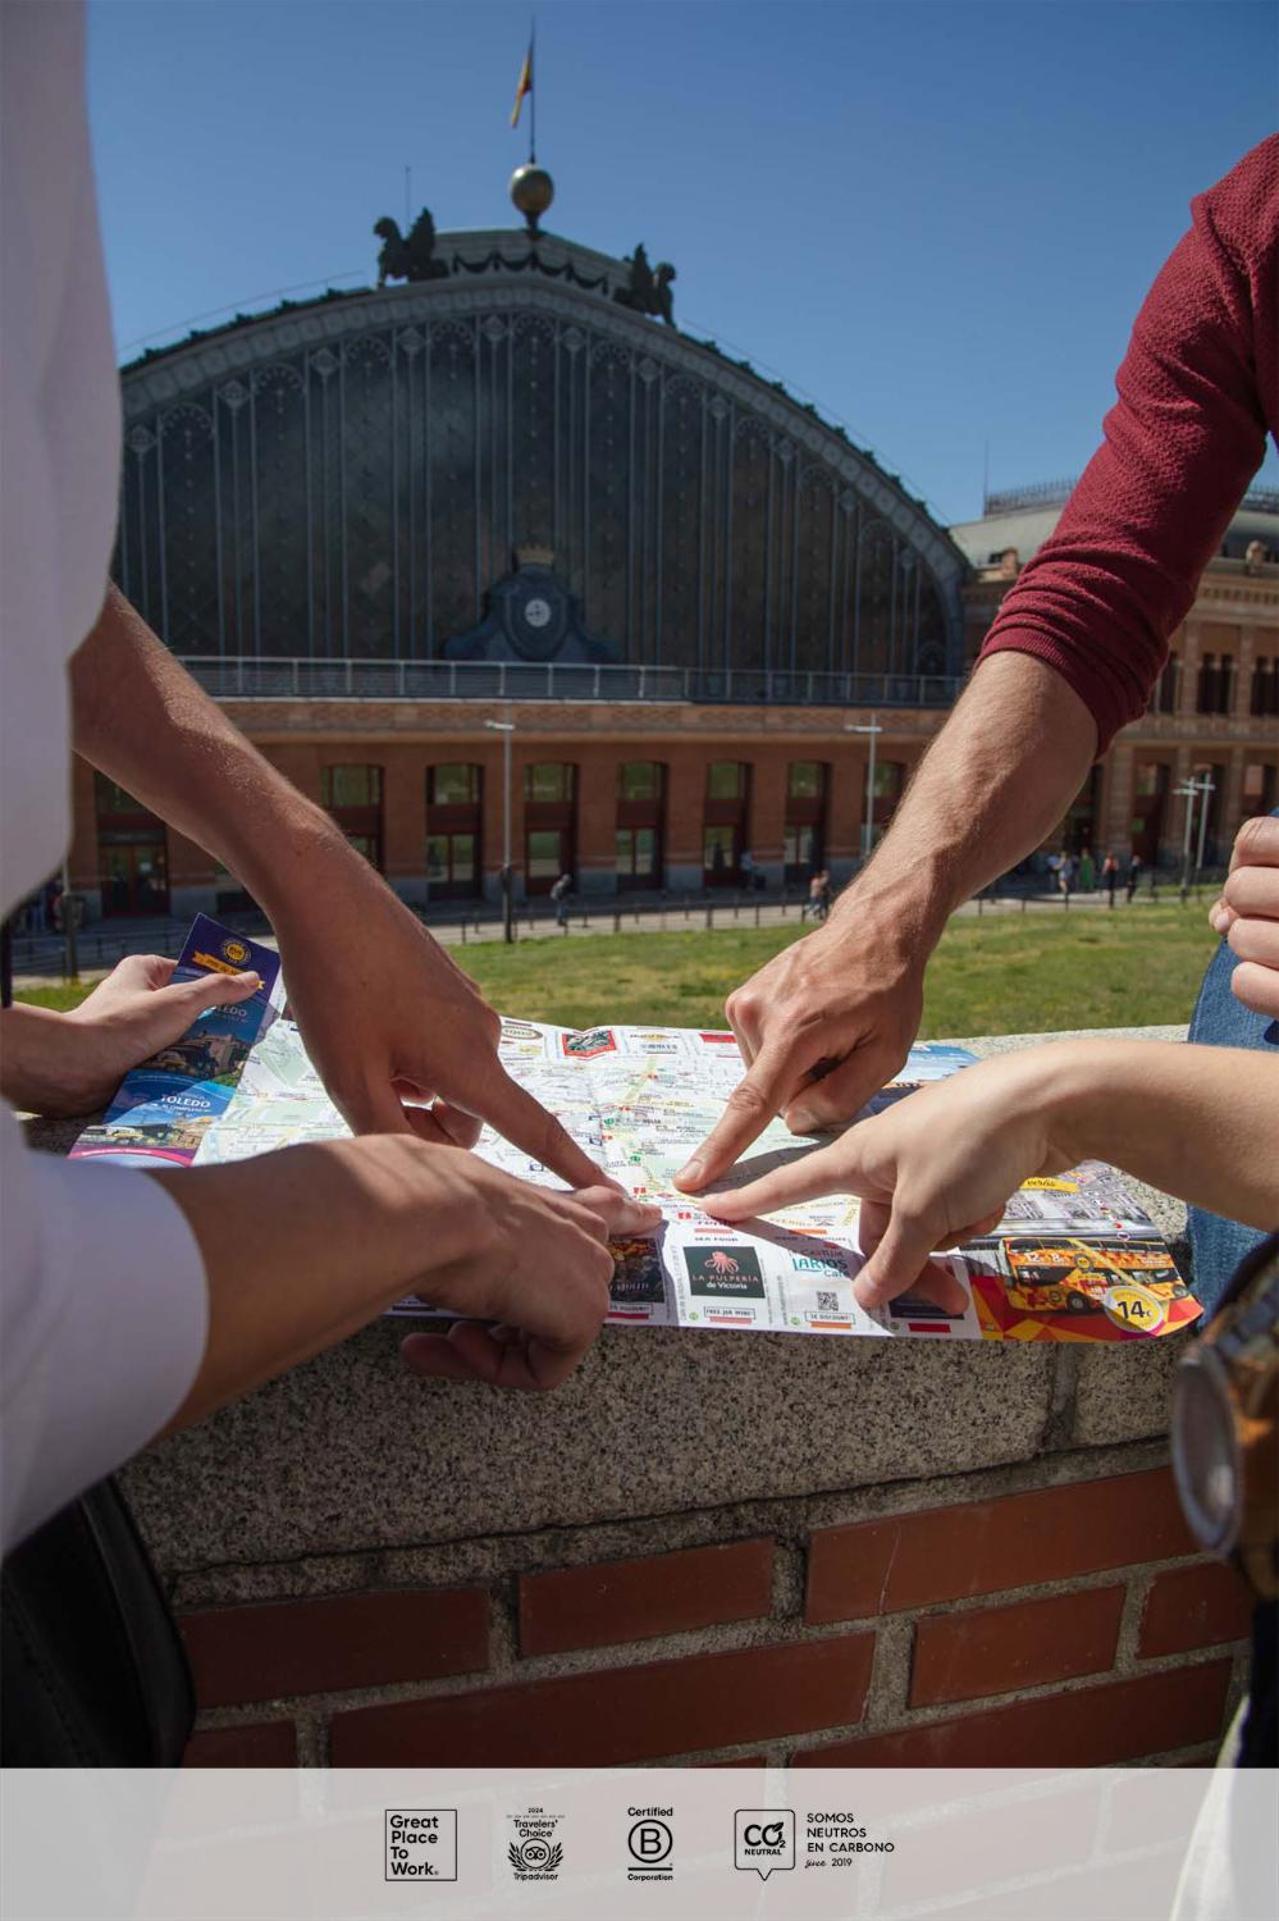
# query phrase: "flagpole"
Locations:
[[532, 105]]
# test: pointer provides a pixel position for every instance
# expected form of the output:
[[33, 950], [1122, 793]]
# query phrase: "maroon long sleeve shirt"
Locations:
[[1198, 390]]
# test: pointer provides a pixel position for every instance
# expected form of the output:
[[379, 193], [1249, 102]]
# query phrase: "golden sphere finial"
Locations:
[[532, 191]]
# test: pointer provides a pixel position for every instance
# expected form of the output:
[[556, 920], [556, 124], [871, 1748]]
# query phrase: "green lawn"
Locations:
[[1006, 974]]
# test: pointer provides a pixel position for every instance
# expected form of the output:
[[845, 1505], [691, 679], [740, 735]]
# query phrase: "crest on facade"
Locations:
[[531, 616]]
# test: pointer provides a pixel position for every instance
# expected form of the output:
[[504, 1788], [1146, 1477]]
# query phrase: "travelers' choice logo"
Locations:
[[535, 1854], [650, 1843], [421, 1844], [764, 1840]]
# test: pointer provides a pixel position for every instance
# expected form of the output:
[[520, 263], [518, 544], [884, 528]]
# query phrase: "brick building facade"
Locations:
[[385, 527]]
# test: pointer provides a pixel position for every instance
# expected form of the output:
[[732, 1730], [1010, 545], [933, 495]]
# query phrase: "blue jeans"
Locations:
[[1219, 1020]]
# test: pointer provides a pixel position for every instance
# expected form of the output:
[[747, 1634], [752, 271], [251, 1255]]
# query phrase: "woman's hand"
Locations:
[[1247, 915], [67, 1064], [934, 1170]]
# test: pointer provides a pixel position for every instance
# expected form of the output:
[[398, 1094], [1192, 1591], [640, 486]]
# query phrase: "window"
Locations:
[[455, 784], [1167, 687], [805, 780], [1216, 684], [802, 852], [546, 858], [641, 786], [451, 862], [1151, 779], [637, 857], [112, 799], [351, 786], [890, 778], [1264, 696], [726, 780], [640, 780], [353, 795], [133, 853], [1258, 788], [550, 780], [721, 852]]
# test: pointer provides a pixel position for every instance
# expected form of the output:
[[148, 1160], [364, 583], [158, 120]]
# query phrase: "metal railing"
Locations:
[[243, 677]]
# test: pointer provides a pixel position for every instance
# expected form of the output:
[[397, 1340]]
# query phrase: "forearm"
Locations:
[[996, 781], [140, 718], [1201, 1123], [339, 1231]]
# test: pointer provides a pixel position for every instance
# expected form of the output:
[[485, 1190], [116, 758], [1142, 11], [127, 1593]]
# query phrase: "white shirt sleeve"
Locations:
[[103, 1317], [103, 1306]]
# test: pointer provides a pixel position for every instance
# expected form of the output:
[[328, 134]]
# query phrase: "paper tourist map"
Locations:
[[1074, 1259]]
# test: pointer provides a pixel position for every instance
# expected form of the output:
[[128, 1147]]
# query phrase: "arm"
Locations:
[[381, 1006], [938, 1168], [344, 1228], [1074, 652], [1007, 764]]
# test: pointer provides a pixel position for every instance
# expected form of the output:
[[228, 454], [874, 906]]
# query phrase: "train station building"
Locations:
[[497, 563]]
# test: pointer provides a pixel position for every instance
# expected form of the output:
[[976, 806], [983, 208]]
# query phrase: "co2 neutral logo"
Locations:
[[764, 1840]]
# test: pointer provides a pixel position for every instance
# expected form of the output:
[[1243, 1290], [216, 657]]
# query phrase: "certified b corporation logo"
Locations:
[[763, 1840], [650, 1842]]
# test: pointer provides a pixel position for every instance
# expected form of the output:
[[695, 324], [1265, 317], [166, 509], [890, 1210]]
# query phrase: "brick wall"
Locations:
[[1018, 1625]]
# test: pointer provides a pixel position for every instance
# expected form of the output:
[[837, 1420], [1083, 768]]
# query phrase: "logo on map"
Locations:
[[236, 951], [724, 1273]]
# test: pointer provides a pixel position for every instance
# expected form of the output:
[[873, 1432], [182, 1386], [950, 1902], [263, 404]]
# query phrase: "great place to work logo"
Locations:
[[421, 1844], [763, 1840]]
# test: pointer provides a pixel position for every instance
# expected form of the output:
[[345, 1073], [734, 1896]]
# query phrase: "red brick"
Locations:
[[982, 1547], [1001, 1650], [265, 1744], [344, 1641], [613, 1715], [1089, 1727], [589, 1607], [1195, 1607]]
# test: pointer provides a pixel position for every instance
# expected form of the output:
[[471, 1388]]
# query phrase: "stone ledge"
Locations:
[[348, 1455]]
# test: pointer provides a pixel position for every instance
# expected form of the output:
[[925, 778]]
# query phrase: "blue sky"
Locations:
[[934, 220]]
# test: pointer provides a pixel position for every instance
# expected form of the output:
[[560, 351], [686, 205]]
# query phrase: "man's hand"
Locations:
[[821, 1027], [541, 1283], [386, 1013], [933, 1171], [66, 1064], [1247, 915]]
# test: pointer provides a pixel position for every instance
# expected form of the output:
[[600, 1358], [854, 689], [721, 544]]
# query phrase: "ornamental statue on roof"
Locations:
[[411, 258], [648, 291]]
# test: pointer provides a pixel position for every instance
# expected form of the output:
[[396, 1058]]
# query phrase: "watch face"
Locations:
[[537, 611]]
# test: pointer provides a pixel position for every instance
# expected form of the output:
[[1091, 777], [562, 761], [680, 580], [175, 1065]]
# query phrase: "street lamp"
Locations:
[[1188, 789], [1206, 788], [873, 729], [506, 728]]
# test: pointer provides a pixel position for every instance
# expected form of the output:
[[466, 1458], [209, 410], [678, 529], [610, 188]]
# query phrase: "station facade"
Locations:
[[500, 565]]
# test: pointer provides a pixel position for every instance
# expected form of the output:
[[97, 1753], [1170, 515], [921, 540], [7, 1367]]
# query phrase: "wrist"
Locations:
[[280, 866]]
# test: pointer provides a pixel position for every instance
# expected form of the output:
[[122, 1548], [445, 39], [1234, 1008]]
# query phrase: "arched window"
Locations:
[[641, 789], [550, 823], [454, 830], [133, 853], [724, 822], [352, 794]]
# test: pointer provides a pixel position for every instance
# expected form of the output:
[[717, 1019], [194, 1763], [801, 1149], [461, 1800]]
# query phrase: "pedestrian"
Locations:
[[1110, 876], [559, 894], [813, 904], [746, 869], [823, 894], [1087, 872], [1135, 866]]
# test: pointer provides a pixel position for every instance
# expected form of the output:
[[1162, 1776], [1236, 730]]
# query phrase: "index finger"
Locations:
[[762, 1093], [1257, 843], [826, 1170], [523, 1121]]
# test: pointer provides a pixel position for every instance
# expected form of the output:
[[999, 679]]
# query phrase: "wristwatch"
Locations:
[[1225, 1425]]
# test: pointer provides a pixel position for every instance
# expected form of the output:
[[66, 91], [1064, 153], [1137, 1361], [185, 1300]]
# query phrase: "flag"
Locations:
[[523, 86]]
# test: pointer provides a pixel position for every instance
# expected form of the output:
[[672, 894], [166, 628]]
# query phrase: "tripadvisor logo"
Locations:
[[535, 1854]]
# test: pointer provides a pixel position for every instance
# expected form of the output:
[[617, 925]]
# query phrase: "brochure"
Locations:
[[1074, 1258]]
